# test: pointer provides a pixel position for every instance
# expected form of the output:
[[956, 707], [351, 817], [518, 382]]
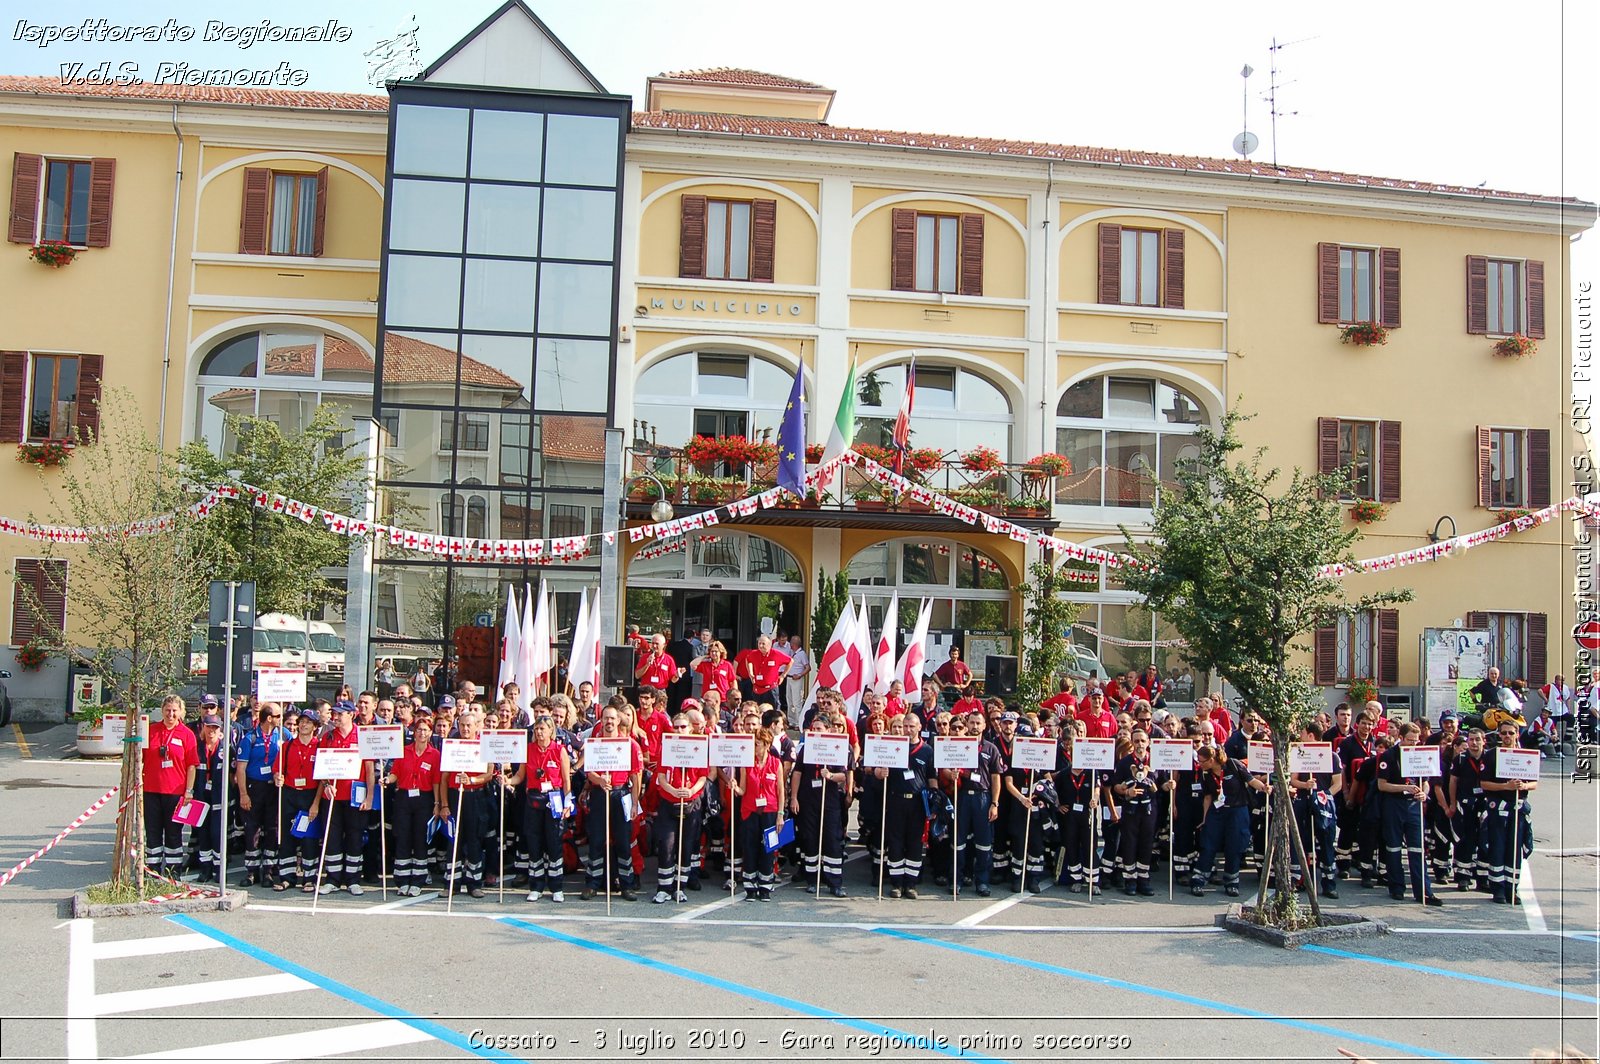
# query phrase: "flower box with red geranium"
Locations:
[[729, 450], [813, 453], [32, 656], [1515, 346], [1365, 512], [924, 459], [884, 456], [983, 460], [52, 253], [48, 453], [1361, 691], [1364, 334], [1049, 465]]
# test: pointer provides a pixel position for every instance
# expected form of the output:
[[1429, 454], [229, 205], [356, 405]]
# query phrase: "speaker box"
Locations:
[[618, 667], [1000, 675]]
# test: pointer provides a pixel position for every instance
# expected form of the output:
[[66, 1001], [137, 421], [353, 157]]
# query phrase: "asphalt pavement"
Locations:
[[1052, 977]]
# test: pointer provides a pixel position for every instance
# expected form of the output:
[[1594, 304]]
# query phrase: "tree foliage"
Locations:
[[833, 592], [1048, 620], [283, 555], [1233, 566]]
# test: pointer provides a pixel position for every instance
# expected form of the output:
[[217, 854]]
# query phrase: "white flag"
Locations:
[[581, 665], [884, 671], [510, 644], [911, 662], [858, 661], [525, 673], [832, 667]]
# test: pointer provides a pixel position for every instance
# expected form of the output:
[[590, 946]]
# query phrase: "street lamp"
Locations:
[[661, 510]]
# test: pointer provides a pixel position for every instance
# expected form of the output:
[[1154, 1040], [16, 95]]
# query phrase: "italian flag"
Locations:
[[843, 433]]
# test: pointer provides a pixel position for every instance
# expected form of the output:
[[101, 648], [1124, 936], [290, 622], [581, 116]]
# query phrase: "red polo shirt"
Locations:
[[766, 670]]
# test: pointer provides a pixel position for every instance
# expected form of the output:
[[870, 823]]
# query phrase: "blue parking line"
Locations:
[[1173, 995], [804, 1008], [349, 993], [1427, 970]]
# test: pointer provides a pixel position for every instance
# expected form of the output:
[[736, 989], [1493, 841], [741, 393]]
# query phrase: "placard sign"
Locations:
[[281, 685], [1310, 757], [115, 727], [1099, 755], [608, 755], [826, 748], [685, 751], [1419, 761], [1516, 764], [886, 751], [1171, 755], [1034, 753], [461, 755], [955, 751], [733, 751], [337, 765], [379, 741], [504, 746], [1262, 758]]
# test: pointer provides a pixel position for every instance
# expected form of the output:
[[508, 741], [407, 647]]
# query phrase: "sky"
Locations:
[[1469, 93]]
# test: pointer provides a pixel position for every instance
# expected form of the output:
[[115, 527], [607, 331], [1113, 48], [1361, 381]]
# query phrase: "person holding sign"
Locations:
[[1315, 790], [818, 791], [416, 780], [760, 791], [547, 775], [208, 790], [1358, 832], [1471, 804], [1029, 801], [170, 758], [1077, 792], [1402, 800], [1224, 818], [678, 792], [467, 802], [295, 773], [905, 813], [617, 791], [346, 817], [1137, 785], [258, 798], [1506, 807], [976, 793]]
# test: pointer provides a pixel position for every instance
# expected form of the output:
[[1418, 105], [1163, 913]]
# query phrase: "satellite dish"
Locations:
[[1245, 143]]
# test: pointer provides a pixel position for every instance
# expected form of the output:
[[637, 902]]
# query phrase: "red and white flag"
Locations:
[[902, 420], [916, 654], [884, 666], [859, 664], [510, 642]]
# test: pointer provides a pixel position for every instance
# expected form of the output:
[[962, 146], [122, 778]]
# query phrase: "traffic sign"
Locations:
[[1587, 635]]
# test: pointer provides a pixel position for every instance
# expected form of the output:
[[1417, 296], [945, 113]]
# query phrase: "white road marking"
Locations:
[[149, 947], [186, 994], [990, 910], [700, 910], [307, 1045], [402, 903], [1530, 903], [82, 1040]]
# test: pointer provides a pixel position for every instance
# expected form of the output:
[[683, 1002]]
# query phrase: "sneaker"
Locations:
[[356, 890], [751, 893], [1433, 900], [326, 888], [894, 892], [727, 885], [557, 897], [837, 892], [982, 892], [629, 895], [911, 893], [1197, 890], [588, 893], [763, 894], [1330, 890], [476, 892], [1232, 892], [682, 898], [693, 883], [662, 897], [535, 895], [1074, 888]]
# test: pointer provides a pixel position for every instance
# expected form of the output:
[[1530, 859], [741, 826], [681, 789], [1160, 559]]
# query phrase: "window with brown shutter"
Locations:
[[1389, 287], [1505, 297], [1358, 646], [1328, 283], [1327, 445], [13, 394], [1477, 295], [1538, 468], [1388, 461], [1325, 656], [1172, 269], [763, 239], [735, 239], [692, 236], [90, 368], [1485, 456], [102, 182], [53, 395], [39, 592], [1534, 274], [971, 279], [1513, 468], [27, 172], [254, 210], [903, 250], [319, 222], [1368, 452], [1356, 284], [1518, 643], [938, 253], [1110, 262], [1388, 671], [1141, 267], [1538, 650]]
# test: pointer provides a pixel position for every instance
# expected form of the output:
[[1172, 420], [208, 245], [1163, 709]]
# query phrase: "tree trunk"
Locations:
[[1266, 868], [1300, 855], [1283, 830]]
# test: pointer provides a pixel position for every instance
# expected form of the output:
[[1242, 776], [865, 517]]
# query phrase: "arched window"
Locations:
[[280, 374], [969, 588], [1123, 434], [710, 393], [954, 409]]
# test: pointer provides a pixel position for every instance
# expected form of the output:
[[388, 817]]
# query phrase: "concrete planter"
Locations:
[[100, 739], [1337, 927], [233, 899]]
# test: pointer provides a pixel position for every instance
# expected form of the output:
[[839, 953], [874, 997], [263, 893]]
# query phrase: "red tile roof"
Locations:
[[573, 438], [407, 360], [795, 129], [740, 76], [250, 97]]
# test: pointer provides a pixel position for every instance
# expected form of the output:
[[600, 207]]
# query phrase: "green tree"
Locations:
[[833, 592], [1047, 625], [1234, 568], [283, 555], [134, 597]]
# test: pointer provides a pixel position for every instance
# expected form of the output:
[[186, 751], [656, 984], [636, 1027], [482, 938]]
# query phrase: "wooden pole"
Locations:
[[677, 882], [383, 836], [733, 799], [607, 866], [323, 857], [883, 826], [955, 841], [1172, 833], [500, 839], [1027, 823], [455, 839], [1093, 870], [822, 823]]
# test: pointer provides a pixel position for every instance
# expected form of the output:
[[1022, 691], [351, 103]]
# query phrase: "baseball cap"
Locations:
[[311, 715], [211, 720], [1008, 715], [344, 707], [1447, 715], [691, 703], [209, 700], [447, 702]]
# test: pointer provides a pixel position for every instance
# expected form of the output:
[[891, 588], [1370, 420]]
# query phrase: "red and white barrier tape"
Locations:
[[69, 829]]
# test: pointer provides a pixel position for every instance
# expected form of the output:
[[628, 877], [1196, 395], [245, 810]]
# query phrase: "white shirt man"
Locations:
[[1559, 696], [796, 680]]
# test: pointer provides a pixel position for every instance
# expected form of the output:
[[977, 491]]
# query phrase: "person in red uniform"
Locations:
[[717, 673], [678, 793], [1098, 721], [760, 791], [294, 772], [761, 670], [967, 703], [1063, 703], [894, 703], [1216, 714], [608, 789], [652, 721], [548, 775], [345, 817], [415, 778], [656, 667], [954, 672], [170, 758]]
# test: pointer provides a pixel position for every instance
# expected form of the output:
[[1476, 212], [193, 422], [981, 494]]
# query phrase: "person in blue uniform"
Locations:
[[1402, 801], [976, 793], [1504, 805], [905, 811], [259, 797], [1471, 805], [1138, 786], [208, 790], [1224, 818], [821, 820], [1316, 814]]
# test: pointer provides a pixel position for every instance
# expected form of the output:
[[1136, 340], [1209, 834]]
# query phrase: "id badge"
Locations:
[[358, 793], [761, 803], [1077, 807], [910, 777], [413, 793], [544, 785], [1196, 788], [1222, 800], [166, 762], [301, 782], [816, 783], [1105, 814]]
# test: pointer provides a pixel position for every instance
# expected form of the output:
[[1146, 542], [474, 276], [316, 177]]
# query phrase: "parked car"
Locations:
[[5, 699]]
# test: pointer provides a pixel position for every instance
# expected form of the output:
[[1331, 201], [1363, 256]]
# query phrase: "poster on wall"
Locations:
[[1454, 660], [980, 645]]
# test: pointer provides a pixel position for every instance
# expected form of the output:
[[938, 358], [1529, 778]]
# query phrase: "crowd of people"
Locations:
[[922, 827]]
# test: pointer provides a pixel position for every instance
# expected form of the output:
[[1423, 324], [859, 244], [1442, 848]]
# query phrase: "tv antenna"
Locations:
[[1246, 142], [1272, 91]]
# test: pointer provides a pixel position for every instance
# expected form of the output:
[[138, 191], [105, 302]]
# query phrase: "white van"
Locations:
[[322, 653], [327, 651], [285, 642], [269, 650]]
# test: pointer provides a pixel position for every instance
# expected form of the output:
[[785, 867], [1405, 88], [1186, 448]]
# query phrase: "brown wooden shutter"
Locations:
[[90, 368], [1327, 445], [1328, 283], [1388, 648], [1172, 268], [26, 579], [102, 181], [763, 239], [692, 236], [1324, 656], [1485, 485], [27, 171], [1477, 295], [1389, 287], [319, 226], [13, 395], [1388, 461], [903, 250], [1477, 619], [1538, 468], [1533, 277], [46, 579], [1110, 263], [1538, 650], [254, 210], [52, 591], [970, 281]]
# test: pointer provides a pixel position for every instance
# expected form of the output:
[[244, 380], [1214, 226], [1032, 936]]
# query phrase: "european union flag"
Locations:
[[792, 441]]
